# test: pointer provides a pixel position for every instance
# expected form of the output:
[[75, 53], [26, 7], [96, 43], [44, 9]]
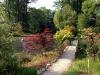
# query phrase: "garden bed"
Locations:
[[45, 59]]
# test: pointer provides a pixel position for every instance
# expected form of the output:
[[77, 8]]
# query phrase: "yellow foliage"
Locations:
[[63, 34]]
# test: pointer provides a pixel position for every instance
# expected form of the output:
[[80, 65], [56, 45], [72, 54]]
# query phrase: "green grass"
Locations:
[[27, 71], [80, 67], [19, 71]]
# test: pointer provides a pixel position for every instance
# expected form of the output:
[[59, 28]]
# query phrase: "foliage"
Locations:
[[97, 20], [89, 47], [58, 17], [26, 71], [23, 57], [48, 15], [2, 13], [96, 29], [64, 34], [46, 57], [82, 21], [81, 53], [88, 7], [65, 16], [17, 29], [39, 19], [17, 12], [97, 10], [92, 48], [80, 67], [73, 3], [8, 62], [88, 16], [69, 15]]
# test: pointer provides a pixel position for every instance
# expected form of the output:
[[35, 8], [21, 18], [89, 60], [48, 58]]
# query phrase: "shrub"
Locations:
[[23, 57], [81, 53], [91, 42], [8, 62], [64, 34]]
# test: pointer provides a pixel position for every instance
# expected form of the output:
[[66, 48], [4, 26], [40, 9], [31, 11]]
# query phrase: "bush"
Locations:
[[91, 45], [23, 57], [81, 53], [8, 62], [64, 34]]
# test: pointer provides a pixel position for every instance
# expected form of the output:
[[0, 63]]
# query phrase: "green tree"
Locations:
[[48, 15], [69, 15], [17, 12], [58, 18], [40, 18], [65, 16], [37, 20], [88, 7], [75, 4], [88, 16]]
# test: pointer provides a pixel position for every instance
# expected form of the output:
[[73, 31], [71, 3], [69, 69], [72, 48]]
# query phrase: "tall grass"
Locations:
[[80, 67]]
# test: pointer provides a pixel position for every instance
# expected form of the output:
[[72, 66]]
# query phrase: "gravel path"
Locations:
[[64, 62]]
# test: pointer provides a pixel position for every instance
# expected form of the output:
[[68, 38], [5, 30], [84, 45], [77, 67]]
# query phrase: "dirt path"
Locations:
[[64, 62]]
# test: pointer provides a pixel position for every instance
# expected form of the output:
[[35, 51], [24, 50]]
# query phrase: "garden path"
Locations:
[[64, 62]]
